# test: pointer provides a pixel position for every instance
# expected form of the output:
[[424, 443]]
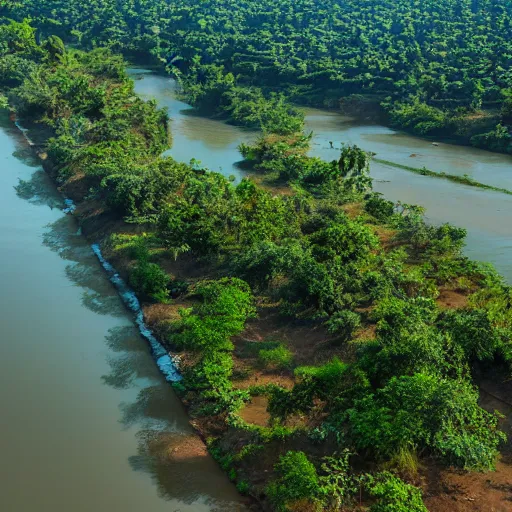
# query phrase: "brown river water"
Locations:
[[486, 215], [87, 423]]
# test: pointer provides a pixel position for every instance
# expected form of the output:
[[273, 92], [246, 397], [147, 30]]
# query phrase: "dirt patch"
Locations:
[[353, 210], [309, 341], [178, 448], [185, 267], [259, 378], [274, 187], [451, 299], [255, 412], [386, 237], [156, 314], [471, 492]]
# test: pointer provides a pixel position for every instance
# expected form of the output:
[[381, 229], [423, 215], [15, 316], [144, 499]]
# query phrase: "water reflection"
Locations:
[[163, 446], [130, 361], [38, 190]]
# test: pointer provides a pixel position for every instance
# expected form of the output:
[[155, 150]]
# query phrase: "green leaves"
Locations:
[[394, 495], [207, 328], [428, 412], [297, 480]]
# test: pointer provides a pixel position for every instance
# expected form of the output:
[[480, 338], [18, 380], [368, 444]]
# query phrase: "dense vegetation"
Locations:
[[390, 385], [430, 67]]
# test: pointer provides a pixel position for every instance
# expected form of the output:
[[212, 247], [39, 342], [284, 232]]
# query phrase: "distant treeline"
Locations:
[[429, 67]]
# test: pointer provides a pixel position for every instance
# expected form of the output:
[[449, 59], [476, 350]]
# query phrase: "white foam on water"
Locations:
[[167, 363], [24, 131]]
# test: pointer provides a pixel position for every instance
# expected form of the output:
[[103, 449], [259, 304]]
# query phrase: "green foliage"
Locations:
[[213, 91], [425, 65], [428, 412], [354, 165], [207, 328], [473, 332], [55, 49], [277, 358], [338, 485], [297, 479], [379, 208], [394, 495], [347, 239], [419, 117], [224, 308], [18, 38], [243, 487], [344, 323], [498, 139], [150, 280]]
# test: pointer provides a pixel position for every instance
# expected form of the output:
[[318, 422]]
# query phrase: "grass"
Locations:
[[464, 180]]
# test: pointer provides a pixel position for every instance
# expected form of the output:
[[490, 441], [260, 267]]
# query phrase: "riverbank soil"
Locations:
[[454, 491]]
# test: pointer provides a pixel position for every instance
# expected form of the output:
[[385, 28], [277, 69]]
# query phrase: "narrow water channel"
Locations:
[[485, 214], [87, 423]]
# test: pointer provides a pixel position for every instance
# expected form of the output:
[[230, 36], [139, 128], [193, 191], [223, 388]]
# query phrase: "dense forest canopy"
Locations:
[[431, 66]]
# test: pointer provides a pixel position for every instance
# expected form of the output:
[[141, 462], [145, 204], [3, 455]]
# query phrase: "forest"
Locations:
[[299, 288], [433, 68]]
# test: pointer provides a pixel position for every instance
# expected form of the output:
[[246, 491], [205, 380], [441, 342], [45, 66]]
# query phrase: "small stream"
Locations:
[[486, 215]]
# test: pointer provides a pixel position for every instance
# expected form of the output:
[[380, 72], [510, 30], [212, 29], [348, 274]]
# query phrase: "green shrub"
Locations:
[[426, 411], [394, 495], [297, 479], [473, 332], [212, 372], [338, 485], [277, 358], [344, 323], [150, 280], [379, 208], [243, 487]]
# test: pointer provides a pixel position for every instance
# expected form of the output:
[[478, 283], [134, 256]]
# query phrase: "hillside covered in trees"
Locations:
[[331, 341], [429, 67]]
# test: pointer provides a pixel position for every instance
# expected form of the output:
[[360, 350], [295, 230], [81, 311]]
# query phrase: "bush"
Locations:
[[212, 372], [297, 480], [419, 117], [276, 358], [428, 412], [379, 208], [394, 495], [473, 332], [150, 280], [344, 323]]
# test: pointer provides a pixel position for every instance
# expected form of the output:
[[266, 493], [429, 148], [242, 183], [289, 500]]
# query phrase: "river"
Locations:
[[88, 424], [485, 214]]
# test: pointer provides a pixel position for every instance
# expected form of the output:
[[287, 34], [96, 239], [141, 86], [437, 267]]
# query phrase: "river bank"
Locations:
[[88, 422]]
